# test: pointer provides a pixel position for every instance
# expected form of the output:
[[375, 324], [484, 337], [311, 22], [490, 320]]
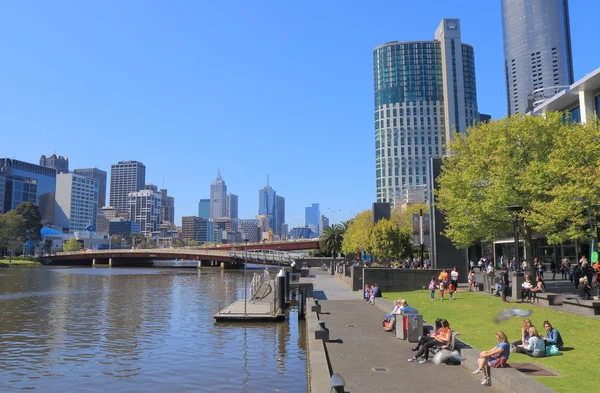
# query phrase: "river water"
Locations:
[[139, 330]]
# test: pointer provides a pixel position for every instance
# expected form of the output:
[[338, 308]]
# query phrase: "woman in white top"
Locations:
[[535, 347], [454, 278], [526, 291]]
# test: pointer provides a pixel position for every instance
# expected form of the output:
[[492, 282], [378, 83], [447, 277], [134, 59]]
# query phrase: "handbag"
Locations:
[[553, 350]]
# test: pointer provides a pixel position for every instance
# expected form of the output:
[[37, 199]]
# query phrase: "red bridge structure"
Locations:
[[227, 256]]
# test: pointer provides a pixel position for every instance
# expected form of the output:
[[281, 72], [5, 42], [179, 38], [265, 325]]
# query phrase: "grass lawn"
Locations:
[[472, 316], [19, 262]]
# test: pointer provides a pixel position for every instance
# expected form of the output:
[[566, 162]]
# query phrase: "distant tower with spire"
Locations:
[[218, 197], [267, 205]]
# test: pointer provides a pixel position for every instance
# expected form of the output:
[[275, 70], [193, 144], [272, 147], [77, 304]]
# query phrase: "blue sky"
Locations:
[[253, 87]]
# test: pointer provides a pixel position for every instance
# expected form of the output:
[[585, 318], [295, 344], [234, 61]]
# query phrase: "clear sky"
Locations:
[[254, 87]]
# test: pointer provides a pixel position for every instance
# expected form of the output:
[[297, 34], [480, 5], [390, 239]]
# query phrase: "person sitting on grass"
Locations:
[[442, 338], [540, 286], [535, 346], [552, 336], [490, 357], [524, 335], [526, 288]]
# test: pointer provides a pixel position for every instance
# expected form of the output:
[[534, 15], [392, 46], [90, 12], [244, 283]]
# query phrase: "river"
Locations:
[[139, 330]]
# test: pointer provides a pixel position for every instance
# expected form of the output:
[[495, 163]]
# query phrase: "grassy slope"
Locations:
[[18, 262], [472, 314]]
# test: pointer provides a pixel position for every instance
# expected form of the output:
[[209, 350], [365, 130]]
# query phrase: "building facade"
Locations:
[[250, 229], [76, 203], [312, 216], [204, 209], [144, 208], [123, 227], [232, 205], [267, 205], [280, 216], [125, 177], [537, 51], [59, 163], [99, 175], [24, 182], [424, 92], [167, 207], [324, 222], [218, 198], [196, 228]]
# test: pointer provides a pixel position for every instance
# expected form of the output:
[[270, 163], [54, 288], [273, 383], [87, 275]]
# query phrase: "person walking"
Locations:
[[504, 283], [454, 278]]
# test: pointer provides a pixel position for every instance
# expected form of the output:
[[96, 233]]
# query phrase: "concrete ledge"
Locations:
[[588, 307], [317, 362]]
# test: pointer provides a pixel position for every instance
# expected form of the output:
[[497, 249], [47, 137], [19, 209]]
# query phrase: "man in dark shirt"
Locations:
[[504, 283]]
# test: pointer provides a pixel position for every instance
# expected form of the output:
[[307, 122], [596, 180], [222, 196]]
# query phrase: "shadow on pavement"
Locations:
[[319, 295]]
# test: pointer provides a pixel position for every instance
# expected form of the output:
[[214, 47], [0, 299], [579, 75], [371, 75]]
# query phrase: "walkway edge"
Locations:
[[317, 364]]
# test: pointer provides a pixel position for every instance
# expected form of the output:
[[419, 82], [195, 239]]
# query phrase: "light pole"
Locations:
[[264, 255], [333, 214], [279, 255], [245, 270], [514, 211]]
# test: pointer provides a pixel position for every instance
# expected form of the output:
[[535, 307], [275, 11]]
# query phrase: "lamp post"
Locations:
[[279, 255], [264, 255], [245, 270], [514, 211], [333, 215]]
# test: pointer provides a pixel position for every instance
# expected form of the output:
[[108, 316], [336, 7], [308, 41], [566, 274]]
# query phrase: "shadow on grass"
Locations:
[[567, 349]]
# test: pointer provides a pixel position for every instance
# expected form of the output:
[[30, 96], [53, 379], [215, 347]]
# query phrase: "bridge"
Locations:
[[230, 256]]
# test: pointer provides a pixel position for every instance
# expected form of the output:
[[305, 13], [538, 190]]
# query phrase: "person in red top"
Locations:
[[442, 338]]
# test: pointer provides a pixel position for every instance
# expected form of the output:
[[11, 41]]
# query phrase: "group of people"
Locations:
[[529, 291], [445, 282], [371, 292], [400, 306]]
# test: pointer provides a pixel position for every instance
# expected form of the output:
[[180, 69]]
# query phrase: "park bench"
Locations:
[[546, 298], [589, 307]]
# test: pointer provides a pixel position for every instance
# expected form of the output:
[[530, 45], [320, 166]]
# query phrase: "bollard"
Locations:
[[301, 301], [281, 290], [287, 285], [337, 383], [322, 333], [316, 307], [293, 265]]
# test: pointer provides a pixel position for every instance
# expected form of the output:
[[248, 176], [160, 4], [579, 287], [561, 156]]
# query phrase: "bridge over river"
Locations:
[[230, 256]]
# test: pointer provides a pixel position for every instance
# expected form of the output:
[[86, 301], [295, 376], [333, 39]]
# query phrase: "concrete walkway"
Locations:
[[372, 360]]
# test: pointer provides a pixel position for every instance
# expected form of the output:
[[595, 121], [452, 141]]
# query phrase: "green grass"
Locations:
[[19, 262], [472, 316]]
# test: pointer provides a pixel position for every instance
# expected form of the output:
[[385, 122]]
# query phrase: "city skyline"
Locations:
[[98, 90]]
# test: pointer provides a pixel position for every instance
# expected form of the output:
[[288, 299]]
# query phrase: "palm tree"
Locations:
[[331, 239]]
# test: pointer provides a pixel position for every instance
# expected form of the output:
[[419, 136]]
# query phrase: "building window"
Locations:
[[598, 106]]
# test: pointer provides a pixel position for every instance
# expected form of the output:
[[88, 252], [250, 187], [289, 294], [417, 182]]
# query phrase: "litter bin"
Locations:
[[414, 327], [400, 327]]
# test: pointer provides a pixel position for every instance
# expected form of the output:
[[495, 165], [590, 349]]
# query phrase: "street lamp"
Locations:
[[514, 211], [245, 270], [333, 215], [264, 255]]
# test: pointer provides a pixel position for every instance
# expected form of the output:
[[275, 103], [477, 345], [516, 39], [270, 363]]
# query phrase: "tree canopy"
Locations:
[[32, 221], [331, 239], [10, 232], [71, 245]]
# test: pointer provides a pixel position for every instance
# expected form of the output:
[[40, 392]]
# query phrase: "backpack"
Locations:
[[432, 285]]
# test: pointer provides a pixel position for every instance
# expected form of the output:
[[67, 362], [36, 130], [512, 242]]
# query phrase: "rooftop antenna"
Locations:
[[267, 180], [218, 172], [163, 182]]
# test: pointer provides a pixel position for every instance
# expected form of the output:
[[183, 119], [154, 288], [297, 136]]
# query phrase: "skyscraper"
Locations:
[[125, 177], [204, 208], [60, 163], [267, 204], [76, 202], [232, 205], [167, 207], [144, 207], [324, 223], [218, 197], [280, 215], [196, 228], [424, 92], [99, 175], [537, 51], [312, 214]]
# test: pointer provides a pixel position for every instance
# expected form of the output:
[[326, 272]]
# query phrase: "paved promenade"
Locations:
[[356, 352]]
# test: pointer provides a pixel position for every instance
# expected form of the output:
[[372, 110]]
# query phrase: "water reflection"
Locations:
[[138, 330]]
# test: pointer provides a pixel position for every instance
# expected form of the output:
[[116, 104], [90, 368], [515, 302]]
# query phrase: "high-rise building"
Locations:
[[76, 203], [537, 51], [218, 197], [204, 209], [280, 215], [125, 177], [424, 92], [24, 182], [99, 175], [324, 222], [232, 205], [312, 214], [167, 207], [196, 228], [267, 204], [121, 226], [109, 212], [59, 163], [144, 207], [250, 229]]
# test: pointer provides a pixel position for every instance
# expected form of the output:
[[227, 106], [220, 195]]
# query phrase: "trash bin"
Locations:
[[414, 327], [400, 326]]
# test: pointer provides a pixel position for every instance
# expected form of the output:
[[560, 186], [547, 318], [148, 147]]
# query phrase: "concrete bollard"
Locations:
[[337, 383], [322, 333], [281, 290], [316, 307]]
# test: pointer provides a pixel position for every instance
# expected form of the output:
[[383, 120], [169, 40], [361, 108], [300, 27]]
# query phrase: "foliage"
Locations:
[[11, 236], [388, 242], [478, 328], [357, 234], [403, 216], [32, 221], [534, 162], [71, 245], [331, 239]]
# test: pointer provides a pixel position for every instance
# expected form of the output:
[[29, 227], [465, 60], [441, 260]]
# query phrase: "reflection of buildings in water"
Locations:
[[282, 333], [245, 356]]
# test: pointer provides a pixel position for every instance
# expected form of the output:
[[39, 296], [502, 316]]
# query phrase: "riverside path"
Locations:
[[359, 346]]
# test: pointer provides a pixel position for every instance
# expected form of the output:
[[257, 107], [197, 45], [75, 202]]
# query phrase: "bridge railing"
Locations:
[[147, 251]]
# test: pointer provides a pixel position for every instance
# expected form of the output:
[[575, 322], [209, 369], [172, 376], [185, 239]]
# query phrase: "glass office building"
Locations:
[[424, 92], [537, 51]]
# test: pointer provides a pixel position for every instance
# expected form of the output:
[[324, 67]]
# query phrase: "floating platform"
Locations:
[[256, 311]]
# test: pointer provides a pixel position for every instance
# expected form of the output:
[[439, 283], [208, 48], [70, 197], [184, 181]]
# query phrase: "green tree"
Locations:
[[32, 221], [71, 245], [331, 239], [357, 234], [388, 242], [11, 236]]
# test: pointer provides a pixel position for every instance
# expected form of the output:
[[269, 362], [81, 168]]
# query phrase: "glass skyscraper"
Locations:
[[267, 205], [424, 92], [218, 197], [537, 51]]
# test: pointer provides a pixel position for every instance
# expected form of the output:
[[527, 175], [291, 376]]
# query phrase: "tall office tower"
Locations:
[[60, 163], [151, 187], [204, 208], [311, 218], [537, 51], [144, 207], [76, 203], [324, 222], [167, 207], [125, 177], [99, 175], [250, 229], [24, 182], [267, 204], [424, 92], [195, 228], [280, 215], [232, 205], [218, 197]]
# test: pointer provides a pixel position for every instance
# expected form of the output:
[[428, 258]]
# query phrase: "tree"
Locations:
[[32, 221], [11, 236], [519, 160], [357, 234], [331, 239], [71, 245], [388, 242]]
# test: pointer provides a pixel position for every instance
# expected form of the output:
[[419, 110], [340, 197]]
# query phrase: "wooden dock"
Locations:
[[260, 309]]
